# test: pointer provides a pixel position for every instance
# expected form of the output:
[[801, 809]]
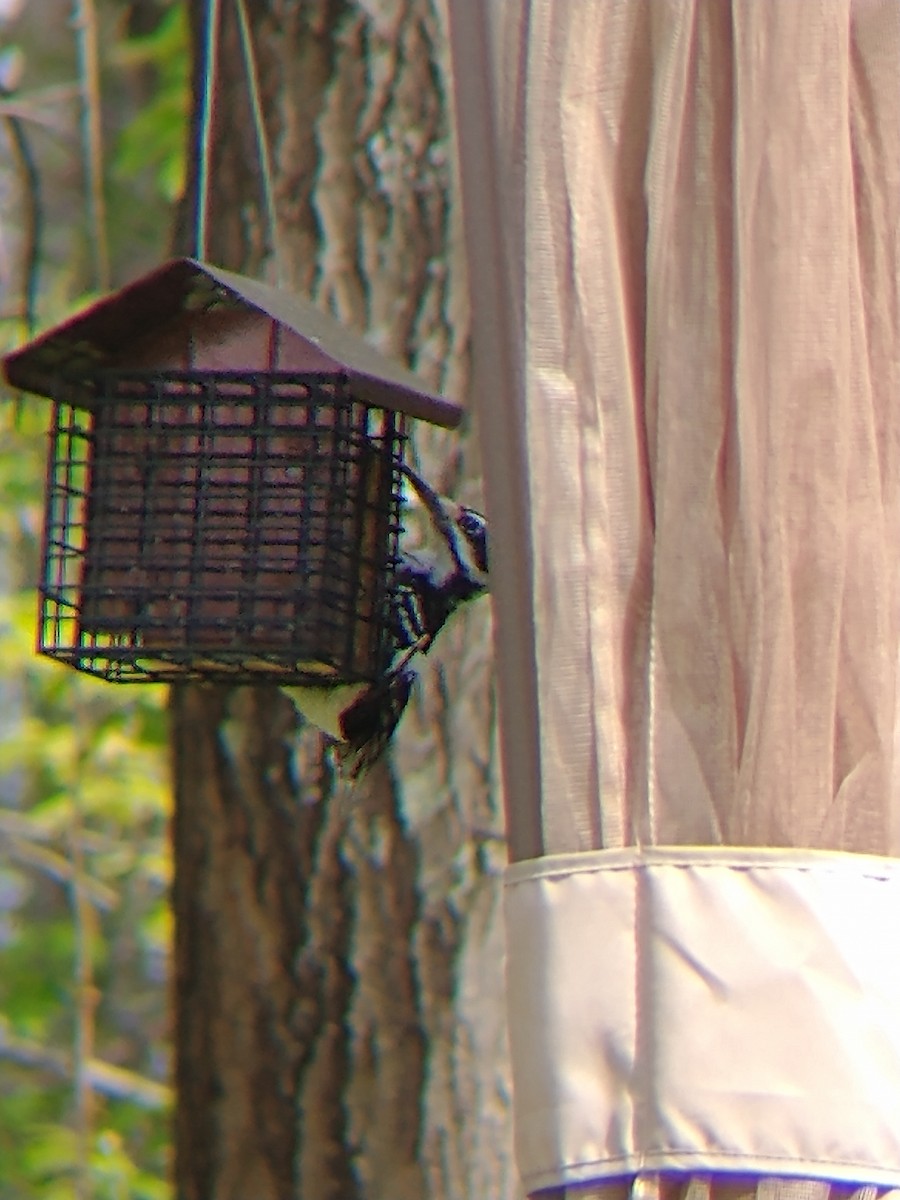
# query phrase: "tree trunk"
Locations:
[[338, 984]]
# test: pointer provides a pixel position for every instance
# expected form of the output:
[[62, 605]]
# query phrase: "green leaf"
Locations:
[[156, 139]]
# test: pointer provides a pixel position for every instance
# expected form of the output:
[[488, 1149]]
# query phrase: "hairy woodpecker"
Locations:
[[429, 585]]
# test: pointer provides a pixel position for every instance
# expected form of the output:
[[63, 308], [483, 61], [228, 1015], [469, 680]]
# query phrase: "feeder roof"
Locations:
[[100, 336]]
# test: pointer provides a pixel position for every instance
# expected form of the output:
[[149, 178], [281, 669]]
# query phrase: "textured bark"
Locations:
[[339, 1017]]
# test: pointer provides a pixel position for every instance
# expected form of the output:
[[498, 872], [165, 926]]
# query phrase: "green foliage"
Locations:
[[85, 925], [83, 805], [155, 139], [54, 1158]]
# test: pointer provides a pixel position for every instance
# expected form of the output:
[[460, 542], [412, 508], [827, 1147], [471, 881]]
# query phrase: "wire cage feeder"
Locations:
[[223, 485]]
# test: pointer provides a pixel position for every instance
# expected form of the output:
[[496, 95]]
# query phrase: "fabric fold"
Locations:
[[699, 1009]]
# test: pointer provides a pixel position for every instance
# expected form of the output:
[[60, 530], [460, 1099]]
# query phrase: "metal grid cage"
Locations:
[[225, 526]]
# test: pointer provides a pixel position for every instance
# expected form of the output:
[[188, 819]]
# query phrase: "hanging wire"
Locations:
[[204, 155], [204, 150], [265, 161]]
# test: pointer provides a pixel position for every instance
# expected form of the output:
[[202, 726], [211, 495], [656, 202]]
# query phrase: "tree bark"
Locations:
[[339, 1026]]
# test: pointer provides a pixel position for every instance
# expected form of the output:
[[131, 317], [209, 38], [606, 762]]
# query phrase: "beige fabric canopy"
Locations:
[[683, 219]]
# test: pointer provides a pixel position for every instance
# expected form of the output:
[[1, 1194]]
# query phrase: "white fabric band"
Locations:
[[705, 1010]]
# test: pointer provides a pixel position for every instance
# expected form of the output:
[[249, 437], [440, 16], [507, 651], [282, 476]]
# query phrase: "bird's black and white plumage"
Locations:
[[429, 585]]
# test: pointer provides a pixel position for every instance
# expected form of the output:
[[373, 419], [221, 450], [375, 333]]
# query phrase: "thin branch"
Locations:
[[87, 993], [115, 1082], [32, 106], [60, 868], [87, 997], [34, 216], [33, 829], [85, 22]]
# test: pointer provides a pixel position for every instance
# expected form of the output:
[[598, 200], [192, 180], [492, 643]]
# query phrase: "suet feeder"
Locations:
[[223, 485]]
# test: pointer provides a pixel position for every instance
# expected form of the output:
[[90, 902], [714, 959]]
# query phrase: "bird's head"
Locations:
[[462, 553], [465, 531]]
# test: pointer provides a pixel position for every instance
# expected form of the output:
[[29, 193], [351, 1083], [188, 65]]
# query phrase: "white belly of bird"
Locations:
[[322, 706]]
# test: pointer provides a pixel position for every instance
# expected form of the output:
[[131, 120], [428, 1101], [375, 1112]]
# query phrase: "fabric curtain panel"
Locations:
[[683, 221]]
